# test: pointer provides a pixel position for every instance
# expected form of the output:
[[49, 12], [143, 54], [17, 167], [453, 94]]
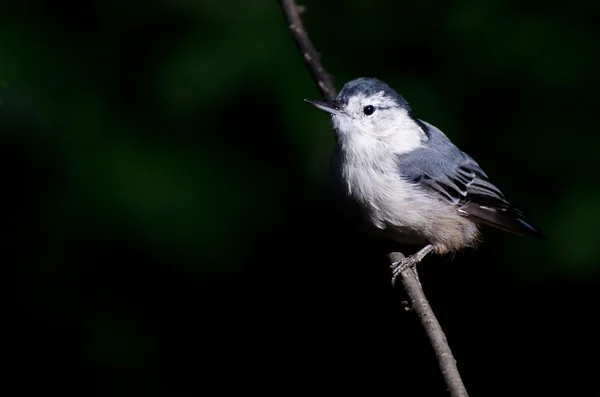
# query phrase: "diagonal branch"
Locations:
[[408, 277], [312, 59], [410, 281]]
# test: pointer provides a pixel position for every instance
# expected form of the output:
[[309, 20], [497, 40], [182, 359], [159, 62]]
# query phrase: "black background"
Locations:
[[167, 227]]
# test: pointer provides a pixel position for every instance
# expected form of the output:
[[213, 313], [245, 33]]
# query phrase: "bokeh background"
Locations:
[[167, 228]]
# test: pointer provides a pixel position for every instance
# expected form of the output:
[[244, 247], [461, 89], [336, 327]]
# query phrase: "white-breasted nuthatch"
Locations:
[[408, 181]]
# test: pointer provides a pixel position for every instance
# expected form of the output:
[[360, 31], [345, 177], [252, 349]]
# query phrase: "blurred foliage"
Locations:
[[161, 169]]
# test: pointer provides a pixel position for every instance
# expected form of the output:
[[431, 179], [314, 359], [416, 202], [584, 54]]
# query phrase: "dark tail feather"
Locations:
[[507, 219]]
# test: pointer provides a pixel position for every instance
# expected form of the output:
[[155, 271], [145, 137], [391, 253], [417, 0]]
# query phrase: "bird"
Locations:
[[408, 182]]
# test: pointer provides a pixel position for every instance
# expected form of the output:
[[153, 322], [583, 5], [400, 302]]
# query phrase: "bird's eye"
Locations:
[[368, 110]]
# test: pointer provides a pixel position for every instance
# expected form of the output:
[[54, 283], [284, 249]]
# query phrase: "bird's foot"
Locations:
[[408, 262], [400, 266]]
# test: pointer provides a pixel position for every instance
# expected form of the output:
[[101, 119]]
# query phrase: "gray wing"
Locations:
[[440, 168]]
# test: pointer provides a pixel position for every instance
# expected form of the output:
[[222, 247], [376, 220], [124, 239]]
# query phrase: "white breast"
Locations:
[[391, 206], [372, 181]]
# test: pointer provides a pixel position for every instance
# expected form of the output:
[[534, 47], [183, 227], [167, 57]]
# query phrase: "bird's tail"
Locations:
[[508, 219]]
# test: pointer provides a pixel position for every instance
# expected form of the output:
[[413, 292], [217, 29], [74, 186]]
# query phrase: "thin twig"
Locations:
[[409, 277], [312, 59], [410, 281]]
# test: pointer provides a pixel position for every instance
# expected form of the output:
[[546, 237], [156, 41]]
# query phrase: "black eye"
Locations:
[[368, 110]]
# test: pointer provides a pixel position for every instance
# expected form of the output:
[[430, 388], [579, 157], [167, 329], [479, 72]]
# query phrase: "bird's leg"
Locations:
[[398, 267]]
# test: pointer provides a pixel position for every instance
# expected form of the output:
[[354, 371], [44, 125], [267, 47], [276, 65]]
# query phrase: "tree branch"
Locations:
[[410, 281], [408, 277], [312, 59]]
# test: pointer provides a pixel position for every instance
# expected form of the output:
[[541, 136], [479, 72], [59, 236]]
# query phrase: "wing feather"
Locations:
[[441, 169]]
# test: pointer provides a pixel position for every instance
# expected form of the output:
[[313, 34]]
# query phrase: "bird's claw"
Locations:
[[398, 267]]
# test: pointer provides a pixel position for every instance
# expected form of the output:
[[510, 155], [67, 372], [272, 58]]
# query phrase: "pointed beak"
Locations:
[[332, 107]]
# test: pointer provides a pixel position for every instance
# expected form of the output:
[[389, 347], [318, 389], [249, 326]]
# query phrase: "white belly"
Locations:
[[394, 208]]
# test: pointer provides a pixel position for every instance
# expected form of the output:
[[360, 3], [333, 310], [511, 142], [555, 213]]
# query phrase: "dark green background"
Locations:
[[166, 223]]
